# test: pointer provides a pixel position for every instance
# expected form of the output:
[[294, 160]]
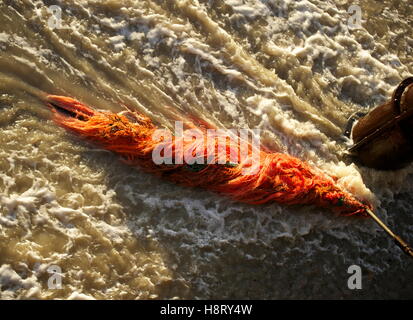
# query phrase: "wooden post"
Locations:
[[402, 244]]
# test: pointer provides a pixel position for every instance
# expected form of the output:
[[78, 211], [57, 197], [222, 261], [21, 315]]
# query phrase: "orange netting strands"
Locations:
[[271, 177]]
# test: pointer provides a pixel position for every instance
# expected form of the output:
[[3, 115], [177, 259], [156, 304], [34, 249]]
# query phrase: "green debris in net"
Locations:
[[231, 164], [196, 167], [340, 202]]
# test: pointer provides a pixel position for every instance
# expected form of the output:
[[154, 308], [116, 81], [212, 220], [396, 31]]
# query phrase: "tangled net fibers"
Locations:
[[278, 177]]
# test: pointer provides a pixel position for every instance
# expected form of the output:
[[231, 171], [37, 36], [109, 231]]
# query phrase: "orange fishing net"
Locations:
[[278, 177]]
